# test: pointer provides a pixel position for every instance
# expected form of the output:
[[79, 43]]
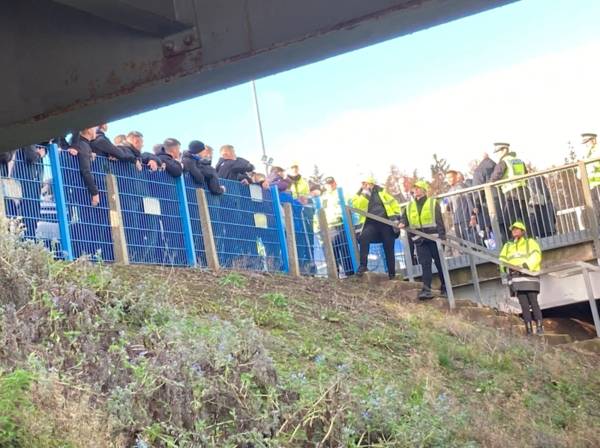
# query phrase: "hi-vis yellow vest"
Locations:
[[300, 188], [523, 251], [391, 205], [425, 220], [514, 167]]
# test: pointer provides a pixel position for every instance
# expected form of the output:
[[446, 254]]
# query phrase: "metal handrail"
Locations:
[[517, 178]]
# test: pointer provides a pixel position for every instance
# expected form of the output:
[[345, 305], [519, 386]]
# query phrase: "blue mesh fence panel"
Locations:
[[243, 224], [89, 226], [151, 215], [28, 200], [191, 187], [308, 245]]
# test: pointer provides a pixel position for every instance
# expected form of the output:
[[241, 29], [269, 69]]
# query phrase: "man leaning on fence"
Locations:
[[424, 214], [330, 202], [524, 252], [81, 148], [197, 161]]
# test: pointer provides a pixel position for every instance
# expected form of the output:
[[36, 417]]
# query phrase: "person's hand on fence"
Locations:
[[73, 151], [473, 221], [41, 150], [93, 156], [138, 165], [95, 200], [303, 200], [112, 158], [401, 225], [153, 165], [244, 182]]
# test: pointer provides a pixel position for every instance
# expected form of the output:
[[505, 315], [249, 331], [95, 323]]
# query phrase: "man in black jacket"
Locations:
[[232, 167], [132, 149], [170, 156], [102, 145], [197, 161], [85, 155], [5, 159]]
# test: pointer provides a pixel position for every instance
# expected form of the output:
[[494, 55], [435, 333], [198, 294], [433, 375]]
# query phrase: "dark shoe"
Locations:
[[539, 328], [529, 328], [443, 293], [425, 295], [392, 276], [361, 270]]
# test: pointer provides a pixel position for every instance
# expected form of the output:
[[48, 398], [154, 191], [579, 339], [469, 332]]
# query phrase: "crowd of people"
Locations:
[[381, 211]]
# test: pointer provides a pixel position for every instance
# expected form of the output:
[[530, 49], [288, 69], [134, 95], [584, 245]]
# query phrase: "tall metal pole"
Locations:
[[260, 130]]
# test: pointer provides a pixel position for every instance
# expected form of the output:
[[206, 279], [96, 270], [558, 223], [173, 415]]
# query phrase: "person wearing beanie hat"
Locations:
[[375, 200], [524, 252], [424, 214], [197, 161]]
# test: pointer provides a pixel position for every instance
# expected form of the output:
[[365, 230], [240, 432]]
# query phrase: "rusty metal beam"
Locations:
[[64, 68]]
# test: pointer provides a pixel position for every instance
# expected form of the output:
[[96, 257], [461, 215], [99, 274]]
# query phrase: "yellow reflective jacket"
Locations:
[[514, 167], [299, 187], [330, 202], [426, 219], [391, 205], [522, 251]]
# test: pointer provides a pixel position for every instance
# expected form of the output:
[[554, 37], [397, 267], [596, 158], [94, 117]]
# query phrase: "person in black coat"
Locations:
[[170, 156], [232, 167], [197, 161], [81, 143], [5, 159], [102, 146], [132, 150]]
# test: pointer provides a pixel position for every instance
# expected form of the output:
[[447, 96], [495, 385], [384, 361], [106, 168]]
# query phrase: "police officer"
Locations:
[[424, 214], [525, 253], [374, 199], [514, 194], [590, 141]]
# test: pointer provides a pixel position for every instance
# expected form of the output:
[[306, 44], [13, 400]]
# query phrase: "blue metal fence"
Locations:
[[161, 219], [29, 202], [151, 215], [88, 226]]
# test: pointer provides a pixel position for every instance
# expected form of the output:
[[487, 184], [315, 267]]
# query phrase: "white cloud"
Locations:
[[537, 106]]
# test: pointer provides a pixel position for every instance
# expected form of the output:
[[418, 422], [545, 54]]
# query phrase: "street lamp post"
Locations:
[[266, 160]]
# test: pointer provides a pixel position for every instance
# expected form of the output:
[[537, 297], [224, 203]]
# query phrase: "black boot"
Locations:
[[443, 292], [529, 328], [539, 328], [425, 294]]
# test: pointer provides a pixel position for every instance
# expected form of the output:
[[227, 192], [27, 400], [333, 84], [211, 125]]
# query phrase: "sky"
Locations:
[[527, 73]]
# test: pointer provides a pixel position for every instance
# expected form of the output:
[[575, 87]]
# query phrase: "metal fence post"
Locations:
[[2, 206], [212, 257], [291, 239], [61, 202], [592, 219], [475, 278], [591, 299], [327, 245], [116, 221], [446, 273], [408, 259], [186, 222], [349, 230], [279, 222], [491, 206]]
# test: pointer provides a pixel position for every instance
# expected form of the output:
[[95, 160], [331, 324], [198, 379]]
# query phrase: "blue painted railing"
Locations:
[[160, 217]]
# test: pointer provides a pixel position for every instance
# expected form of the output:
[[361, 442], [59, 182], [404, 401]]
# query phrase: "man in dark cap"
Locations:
[[197, 161], [514, 194]]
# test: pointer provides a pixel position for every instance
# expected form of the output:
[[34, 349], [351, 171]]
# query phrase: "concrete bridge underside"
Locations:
[[70, 64]]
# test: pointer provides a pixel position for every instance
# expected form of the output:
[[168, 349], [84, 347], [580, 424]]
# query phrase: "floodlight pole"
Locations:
[[260, 130]]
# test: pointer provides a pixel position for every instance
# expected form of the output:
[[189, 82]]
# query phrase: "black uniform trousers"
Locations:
[[377, 232], [514, 209], [529, 302], [428, 253]]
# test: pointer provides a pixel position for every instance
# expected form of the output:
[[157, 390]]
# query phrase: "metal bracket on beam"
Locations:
[[181, 42]]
